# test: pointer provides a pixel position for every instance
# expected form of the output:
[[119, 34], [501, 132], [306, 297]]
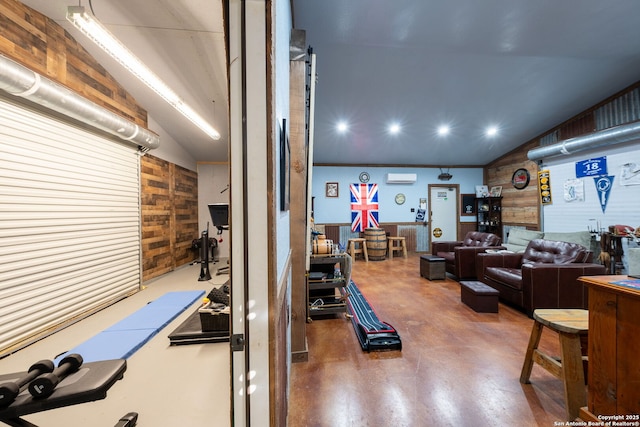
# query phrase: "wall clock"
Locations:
[[400, 198], [364, 177], [520, 178]]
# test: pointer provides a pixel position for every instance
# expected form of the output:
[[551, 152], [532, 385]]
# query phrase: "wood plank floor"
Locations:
[[456, 368]]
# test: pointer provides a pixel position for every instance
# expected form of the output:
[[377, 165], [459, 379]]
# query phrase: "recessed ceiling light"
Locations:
[[443, 130], [342, 127], [492, 131], [394, 128]]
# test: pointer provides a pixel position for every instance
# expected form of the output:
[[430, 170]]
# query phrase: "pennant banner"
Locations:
[[603, 187], [364, 206]]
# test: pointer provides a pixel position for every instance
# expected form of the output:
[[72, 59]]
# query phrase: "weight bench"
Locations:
[[89, 383]]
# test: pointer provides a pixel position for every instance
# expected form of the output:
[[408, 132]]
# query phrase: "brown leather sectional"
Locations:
[[544, 276], [460, 256]]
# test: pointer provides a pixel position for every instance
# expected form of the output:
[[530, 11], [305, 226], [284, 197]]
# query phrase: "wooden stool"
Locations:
[[358, 246], [571, 325], [397, 244]]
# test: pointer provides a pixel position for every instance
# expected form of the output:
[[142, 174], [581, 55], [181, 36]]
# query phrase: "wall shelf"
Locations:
[[489, 215]]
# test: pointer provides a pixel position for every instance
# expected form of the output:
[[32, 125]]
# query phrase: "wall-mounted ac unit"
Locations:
[[401, 178]]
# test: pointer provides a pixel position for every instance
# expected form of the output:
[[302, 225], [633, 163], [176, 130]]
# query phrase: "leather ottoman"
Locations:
[[479, 296], [432, 267]]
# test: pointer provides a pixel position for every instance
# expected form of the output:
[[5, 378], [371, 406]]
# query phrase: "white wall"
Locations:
[[623, 206], [169, 149], [212, 188]]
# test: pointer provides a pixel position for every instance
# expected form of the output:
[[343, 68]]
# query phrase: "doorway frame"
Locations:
[[457, 202]]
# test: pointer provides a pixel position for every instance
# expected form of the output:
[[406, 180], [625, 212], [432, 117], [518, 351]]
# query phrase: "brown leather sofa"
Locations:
[[460, 256], [544, 276]]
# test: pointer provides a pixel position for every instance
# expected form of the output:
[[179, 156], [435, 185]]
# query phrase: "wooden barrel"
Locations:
[[322, 246], [376, 240]]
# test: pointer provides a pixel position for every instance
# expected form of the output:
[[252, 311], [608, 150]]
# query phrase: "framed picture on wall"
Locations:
[[331, 189], [467, 204], [496, 191]]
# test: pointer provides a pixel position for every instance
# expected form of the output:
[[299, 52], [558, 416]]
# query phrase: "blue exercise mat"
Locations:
[[124, 338], [373, 333]]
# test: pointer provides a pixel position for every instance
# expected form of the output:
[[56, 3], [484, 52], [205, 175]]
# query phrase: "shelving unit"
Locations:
[[323, 289], [489, 215]]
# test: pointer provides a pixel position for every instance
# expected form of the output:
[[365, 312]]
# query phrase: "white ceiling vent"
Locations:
[[401, 178]]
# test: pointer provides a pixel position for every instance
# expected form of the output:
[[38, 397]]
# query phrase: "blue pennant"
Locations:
[[603, 187]]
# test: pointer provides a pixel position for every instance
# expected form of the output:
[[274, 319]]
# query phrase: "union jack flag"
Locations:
[[364, 206]]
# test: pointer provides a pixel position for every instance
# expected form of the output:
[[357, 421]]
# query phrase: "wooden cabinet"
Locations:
[[613, 349], [324, 285], [489, 215]]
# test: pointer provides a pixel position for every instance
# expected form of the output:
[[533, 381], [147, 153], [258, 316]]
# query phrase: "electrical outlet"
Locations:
[[413, 209]]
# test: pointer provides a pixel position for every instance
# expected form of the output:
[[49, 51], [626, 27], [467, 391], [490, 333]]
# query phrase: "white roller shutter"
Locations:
[[69, 223]]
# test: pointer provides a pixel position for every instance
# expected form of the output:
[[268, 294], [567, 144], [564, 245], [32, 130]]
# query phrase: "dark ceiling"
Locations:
[[522, 66]]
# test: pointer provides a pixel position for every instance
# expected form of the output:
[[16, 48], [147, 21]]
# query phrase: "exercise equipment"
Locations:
[[372, 333], [124, 338], [190, 332], [220, 216], [196, 245], [90, 383], [205, 274], [9, 390], [128, 420], [43, 386]]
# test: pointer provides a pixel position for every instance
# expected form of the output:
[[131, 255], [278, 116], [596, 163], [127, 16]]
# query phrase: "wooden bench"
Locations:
[[479, 296]]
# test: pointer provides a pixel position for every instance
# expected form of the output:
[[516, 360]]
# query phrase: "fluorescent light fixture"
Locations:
[[97, 33]]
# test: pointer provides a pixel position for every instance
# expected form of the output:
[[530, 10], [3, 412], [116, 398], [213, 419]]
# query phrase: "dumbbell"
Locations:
[[10, 390], [44, 385]]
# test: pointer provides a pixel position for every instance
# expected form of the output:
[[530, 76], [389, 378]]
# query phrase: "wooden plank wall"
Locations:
[[184, 221], [39, 43], [519, 207], [156, 217], [169, 216]]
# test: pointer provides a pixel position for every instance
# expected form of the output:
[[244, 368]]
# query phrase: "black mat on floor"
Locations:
[[190, 332], [373, 333]]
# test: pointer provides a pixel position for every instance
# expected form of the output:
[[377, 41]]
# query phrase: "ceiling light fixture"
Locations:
[[342, 127], [443, 130], [394, 128], [492, 131], [97, 33]]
